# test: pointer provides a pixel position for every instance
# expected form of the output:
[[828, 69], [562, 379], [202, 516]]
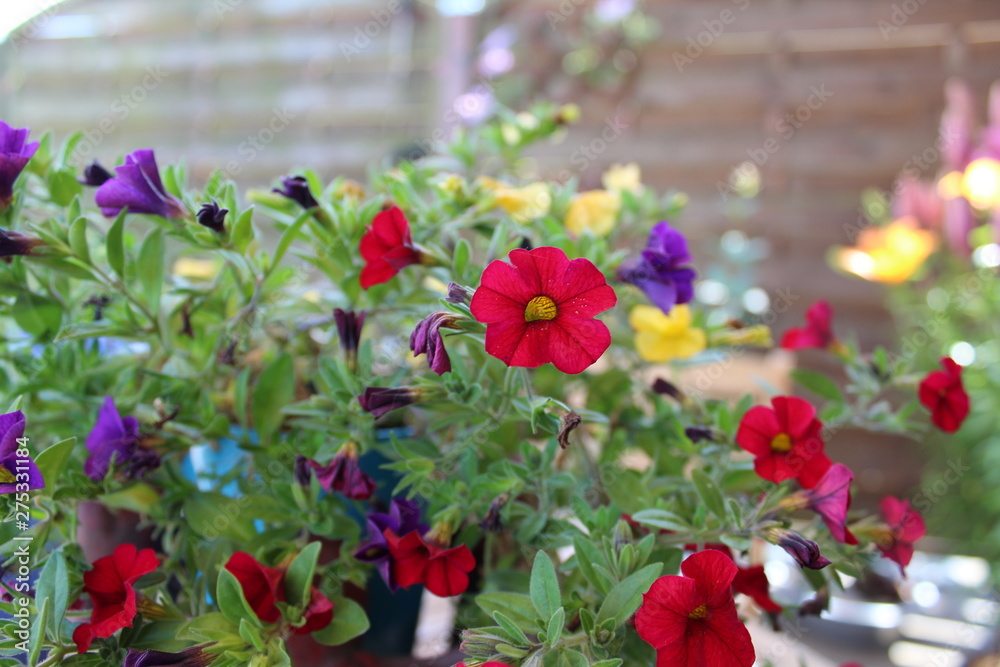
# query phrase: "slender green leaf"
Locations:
[[52, 460], [115, 243], [78, 239], [274, 389], [299, 576], [625, 598], [544, 587], [818, 384], [149, 269], [710, 494]]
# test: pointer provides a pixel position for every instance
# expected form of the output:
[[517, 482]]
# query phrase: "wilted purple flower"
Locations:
[[95, 175], [137, 186], [380, 400], [665, 388], [349, 324], [14, 155], [296, 188], [699, 434], [189, 657], [342, 474], [805, 552], [11, 464], [302, 471], [112, 436], [458, 294], [426, 339], [213, 216], [142, 461], [492, 521], [659, 272], [403, 518], [15, 243]]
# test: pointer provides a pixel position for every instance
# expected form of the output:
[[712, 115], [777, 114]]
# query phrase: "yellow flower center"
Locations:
[[540, 308], [781, 443], [6, 476], [699, 613]]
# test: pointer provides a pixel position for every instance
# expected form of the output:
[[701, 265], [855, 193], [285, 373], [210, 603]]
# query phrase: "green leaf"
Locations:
[[625, 598], [299, 576], [570, 658], [612, 662], [544, 586], [587, 558], [710, 494], [63, 186], [243, 232], [52, 460], [818, 384], [240, 393], [39, 315], [250, 634], [661, 519], [53, 585], [115, 243], [287, 237], [349, 621], [82, 330], [150, 268], [274, 389], [461, 258], [139, 498], [211, 515], [37, 637], [515, 606], [555, 627], [232, 603], [78, 239], [511, 628]]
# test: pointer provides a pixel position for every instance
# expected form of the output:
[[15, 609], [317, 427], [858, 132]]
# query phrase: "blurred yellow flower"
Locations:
[[888, 254], [349, 189], [522, 204], [623, 178], [660, 337], [981, 183], [758, 335], [201, 269], [596, 210]]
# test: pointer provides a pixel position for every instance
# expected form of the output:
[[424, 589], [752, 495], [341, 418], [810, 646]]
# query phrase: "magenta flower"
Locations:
[[137, 187], [11, 464], [113, 436], [660, 272], [426, 339], [341, 474], [14, 155], [831, 499]]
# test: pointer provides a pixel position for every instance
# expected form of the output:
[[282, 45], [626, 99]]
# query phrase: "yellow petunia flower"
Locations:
[[522, 204], [623, 178], [888, 254], [594, 210], [660, 337]]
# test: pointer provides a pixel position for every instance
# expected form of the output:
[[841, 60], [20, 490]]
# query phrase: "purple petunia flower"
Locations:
[[659, 272], [189, 657], [296, 188], [138, 187], [341, 474], [426, 338], [14, 155], [349, 324], [380, 400], [11, 465], [403, 518], [112, 436]]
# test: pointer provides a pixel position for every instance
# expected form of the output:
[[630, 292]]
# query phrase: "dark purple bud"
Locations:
[[805, 552], [569, 424], [661, 386], [426, 339], [303, 471], [349, 324], [143, 461], [492, 522], [15, 243], [296, 188], [380, 400], [190, 657], [525, 243], [699, 433], [211, 215], [95, 175], [458, 294]]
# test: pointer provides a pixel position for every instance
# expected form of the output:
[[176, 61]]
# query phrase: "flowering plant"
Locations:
[[521, 452]]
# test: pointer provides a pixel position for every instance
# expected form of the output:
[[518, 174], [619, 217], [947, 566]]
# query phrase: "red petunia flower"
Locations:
[[816, 332], [318, 613], [387, 248], [750, 580], [786, 440], [262, 585], [540, 308], [905, 526], [942, 393], [109, 584], [445, 572], [691, 620]]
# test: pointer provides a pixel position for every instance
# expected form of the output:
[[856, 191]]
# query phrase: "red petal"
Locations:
[[893, 510], [812, 469], [713, 572], [318, 614], [447, 572], [575, 343], [391, 228], [262, 585], [774, 467], [753, 582], [795, 415], [543, 270], [757, 429], [489, 305], [376, 272], [580, 280], [410, 555], [518, 343], [727, 642], [662, 619]]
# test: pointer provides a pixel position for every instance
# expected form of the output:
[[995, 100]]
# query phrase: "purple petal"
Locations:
[[11, 427]]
